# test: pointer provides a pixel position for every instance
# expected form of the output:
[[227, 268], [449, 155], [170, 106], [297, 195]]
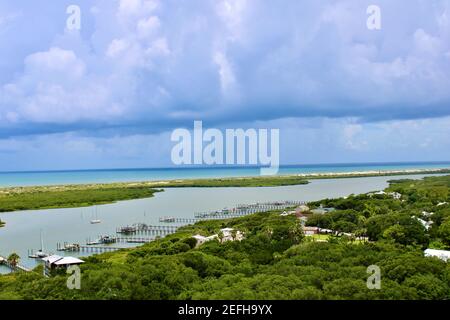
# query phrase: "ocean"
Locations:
[[31, 178]]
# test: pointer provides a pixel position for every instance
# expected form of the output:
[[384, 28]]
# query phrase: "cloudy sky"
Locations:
[[109, 94]]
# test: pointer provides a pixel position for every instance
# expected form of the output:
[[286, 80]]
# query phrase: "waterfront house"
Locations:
[[441, 254], [56, 262]]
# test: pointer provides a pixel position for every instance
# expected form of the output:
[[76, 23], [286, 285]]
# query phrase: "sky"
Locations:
[[109, 94]]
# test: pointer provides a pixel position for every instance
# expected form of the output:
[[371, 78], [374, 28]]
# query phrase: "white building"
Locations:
[[427, 214], [227, 236], [56, 262], [441, 254], [395, 195], [202, 239], [287, 213], [426, 224]]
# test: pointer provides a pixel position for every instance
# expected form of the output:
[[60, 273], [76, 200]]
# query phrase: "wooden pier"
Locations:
[[184, 220], [77, 247], [99, 249], [133, 239], [14, 268], [244, 210], [142, 228]]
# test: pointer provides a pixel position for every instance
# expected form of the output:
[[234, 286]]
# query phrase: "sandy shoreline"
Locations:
[[174, 182]]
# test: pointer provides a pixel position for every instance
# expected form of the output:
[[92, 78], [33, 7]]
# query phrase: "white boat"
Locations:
[[96, 220], [40, 254]]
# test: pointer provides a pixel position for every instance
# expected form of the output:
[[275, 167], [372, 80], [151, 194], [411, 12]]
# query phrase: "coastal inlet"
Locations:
[[23, 229]]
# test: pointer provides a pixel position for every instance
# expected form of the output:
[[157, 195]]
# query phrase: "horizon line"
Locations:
[[209, 167]]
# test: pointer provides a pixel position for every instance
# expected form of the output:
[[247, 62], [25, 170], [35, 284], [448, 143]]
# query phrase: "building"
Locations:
[[426, 224], [378, 193], [395, 195], [287, 213], [202, 239], [309, 231], [427, 214], [441, 254], [228, 235], [55, 262]]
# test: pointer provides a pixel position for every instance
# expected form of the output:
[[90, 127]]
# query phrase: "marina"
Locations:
[[135, 222]]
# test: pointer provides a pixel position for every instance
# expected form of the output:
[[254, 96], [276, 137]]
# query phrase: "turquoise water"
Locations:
[[120, 175]]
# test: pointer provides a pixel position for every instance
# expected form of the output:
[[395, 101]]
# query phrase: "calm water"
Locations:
[[22, 230], [96, 176]]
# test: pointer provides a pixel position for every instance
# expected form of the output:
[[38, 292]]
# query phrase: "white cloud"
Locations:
[[148, 26], [227, 79], [55, 62], [146, 61]]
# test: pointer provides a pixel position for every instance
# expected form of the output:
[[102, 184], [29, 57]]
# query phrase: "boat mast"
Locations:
[[42, 241]]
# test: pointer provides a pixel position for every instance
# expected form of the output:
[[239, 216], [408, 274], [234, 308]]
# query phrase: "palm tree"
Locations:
[[13, 259], [220, 236]]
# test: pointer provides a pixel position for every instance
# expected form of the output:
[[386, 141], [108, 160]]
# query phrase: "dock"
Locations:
[[246, 209], [87, 248], [142, 228], [239, 211], [142, 233], [99, 249], [14, 268], [182, 220]]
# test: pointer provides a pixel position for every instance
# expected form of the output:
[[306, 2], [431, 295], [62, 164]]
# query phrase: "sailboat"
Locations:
[[96, 220], [40, 253]]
